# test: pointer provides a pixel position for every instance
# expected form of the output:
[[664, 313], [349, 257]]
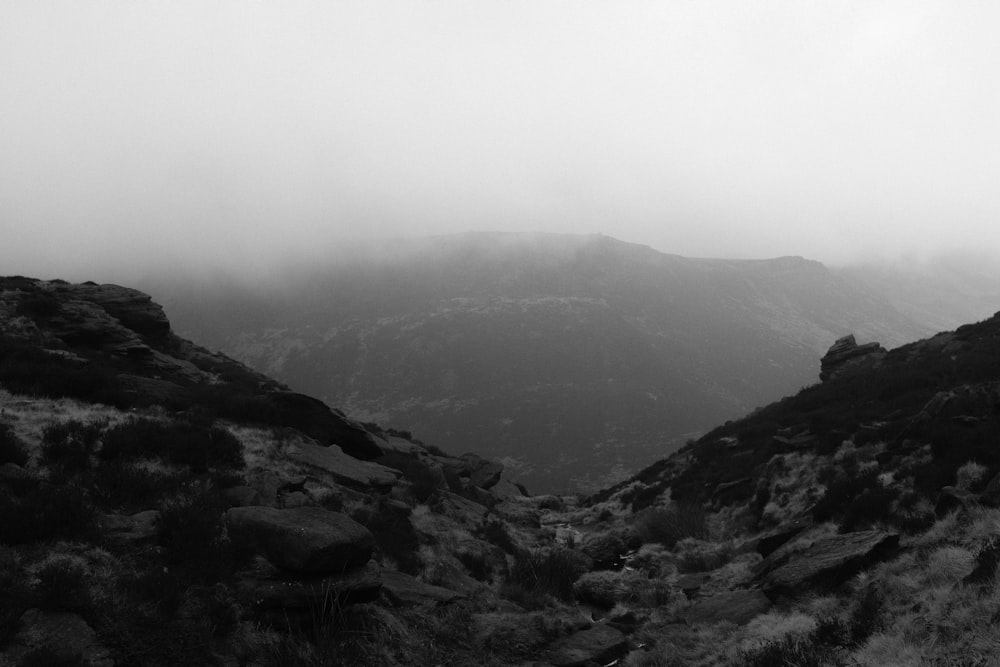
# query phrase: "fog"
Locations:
[[238, 137]]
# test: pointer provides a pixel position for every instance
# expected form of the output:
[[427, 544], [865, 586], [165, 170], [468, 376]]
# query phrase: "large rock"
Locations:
[[846, 354], [739, 607], [132, 308], [331, 462], [830, 561], [599, 644], [482, 472], [309, 540]]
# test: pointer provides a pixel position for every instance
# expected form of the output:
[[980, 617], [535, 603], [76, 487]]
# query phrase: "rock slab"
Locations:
[[307, 540], [341, 468], [830, 561]]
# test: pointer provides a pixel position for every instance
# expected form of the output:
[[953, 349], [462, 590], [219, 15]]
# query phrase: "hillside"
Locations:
[[163, 505], [576, 360]]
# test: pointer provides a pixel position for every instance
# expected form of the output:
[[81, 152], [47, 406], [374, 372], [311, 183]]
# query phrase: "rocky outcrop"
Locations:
[[307, 540], [314, 418], [332, 464], [829, 561], [846, 354]]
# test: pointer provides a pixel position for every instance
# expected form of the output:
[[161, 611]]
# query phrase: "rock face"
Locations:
[[307, 540], [739, 607], [599, 644], [845, 354], [830, 561]]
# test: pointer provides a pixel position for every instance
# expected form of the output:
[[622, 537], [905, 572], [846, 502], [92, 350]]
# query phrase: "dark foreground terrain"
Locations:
[[161, 504]]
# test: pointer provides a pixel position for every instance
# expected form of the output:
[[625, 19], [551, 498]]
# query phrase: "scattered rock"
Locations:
[[599, 644], [830, 561], [739, 607], [308, 540]]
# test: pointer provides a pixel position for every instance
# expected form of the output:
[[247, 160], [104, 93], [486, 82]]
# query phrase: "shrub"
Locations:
[[669, 526], [791, 651], [62, 583], [986, 563], [47, 512], [67, 446], [130, 486], [12, 450], [182, 443], [192, 534], [550, 571], [606, 589]]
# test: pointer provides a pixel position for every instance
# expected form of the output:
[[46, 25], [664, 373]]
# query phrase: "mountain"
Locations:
[[574, 359], [161, 504]]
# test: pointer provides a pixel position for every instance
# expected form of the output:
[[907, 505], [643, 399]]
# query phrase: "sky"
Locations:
[[142, 136]]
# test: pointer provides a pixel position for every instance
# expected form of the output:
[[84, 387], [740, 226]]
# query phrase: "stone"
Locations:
[[406, 591], [332, 463], [308, 540], [454, 506], [243, 496], [138, 528], [598, 644], [830, 561], [739, 607], [65, 634]]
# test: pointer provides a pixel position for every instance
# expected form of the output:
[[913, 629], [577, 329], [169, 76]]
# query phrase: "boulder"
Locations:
[[309, 540], [846, 354], [830, 561], [768, 544], [336, 466], [598, 644], [406, 591], [739, 607], [67, 636]]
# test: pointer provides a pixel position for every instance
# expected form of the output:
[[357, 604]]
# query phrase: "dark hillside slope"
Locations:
[[919, 412], [577, 359]]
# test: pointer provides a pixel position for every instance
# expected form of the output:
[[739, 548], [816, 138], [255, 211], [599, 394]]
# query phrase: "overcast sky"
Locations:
[[159, 134]]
